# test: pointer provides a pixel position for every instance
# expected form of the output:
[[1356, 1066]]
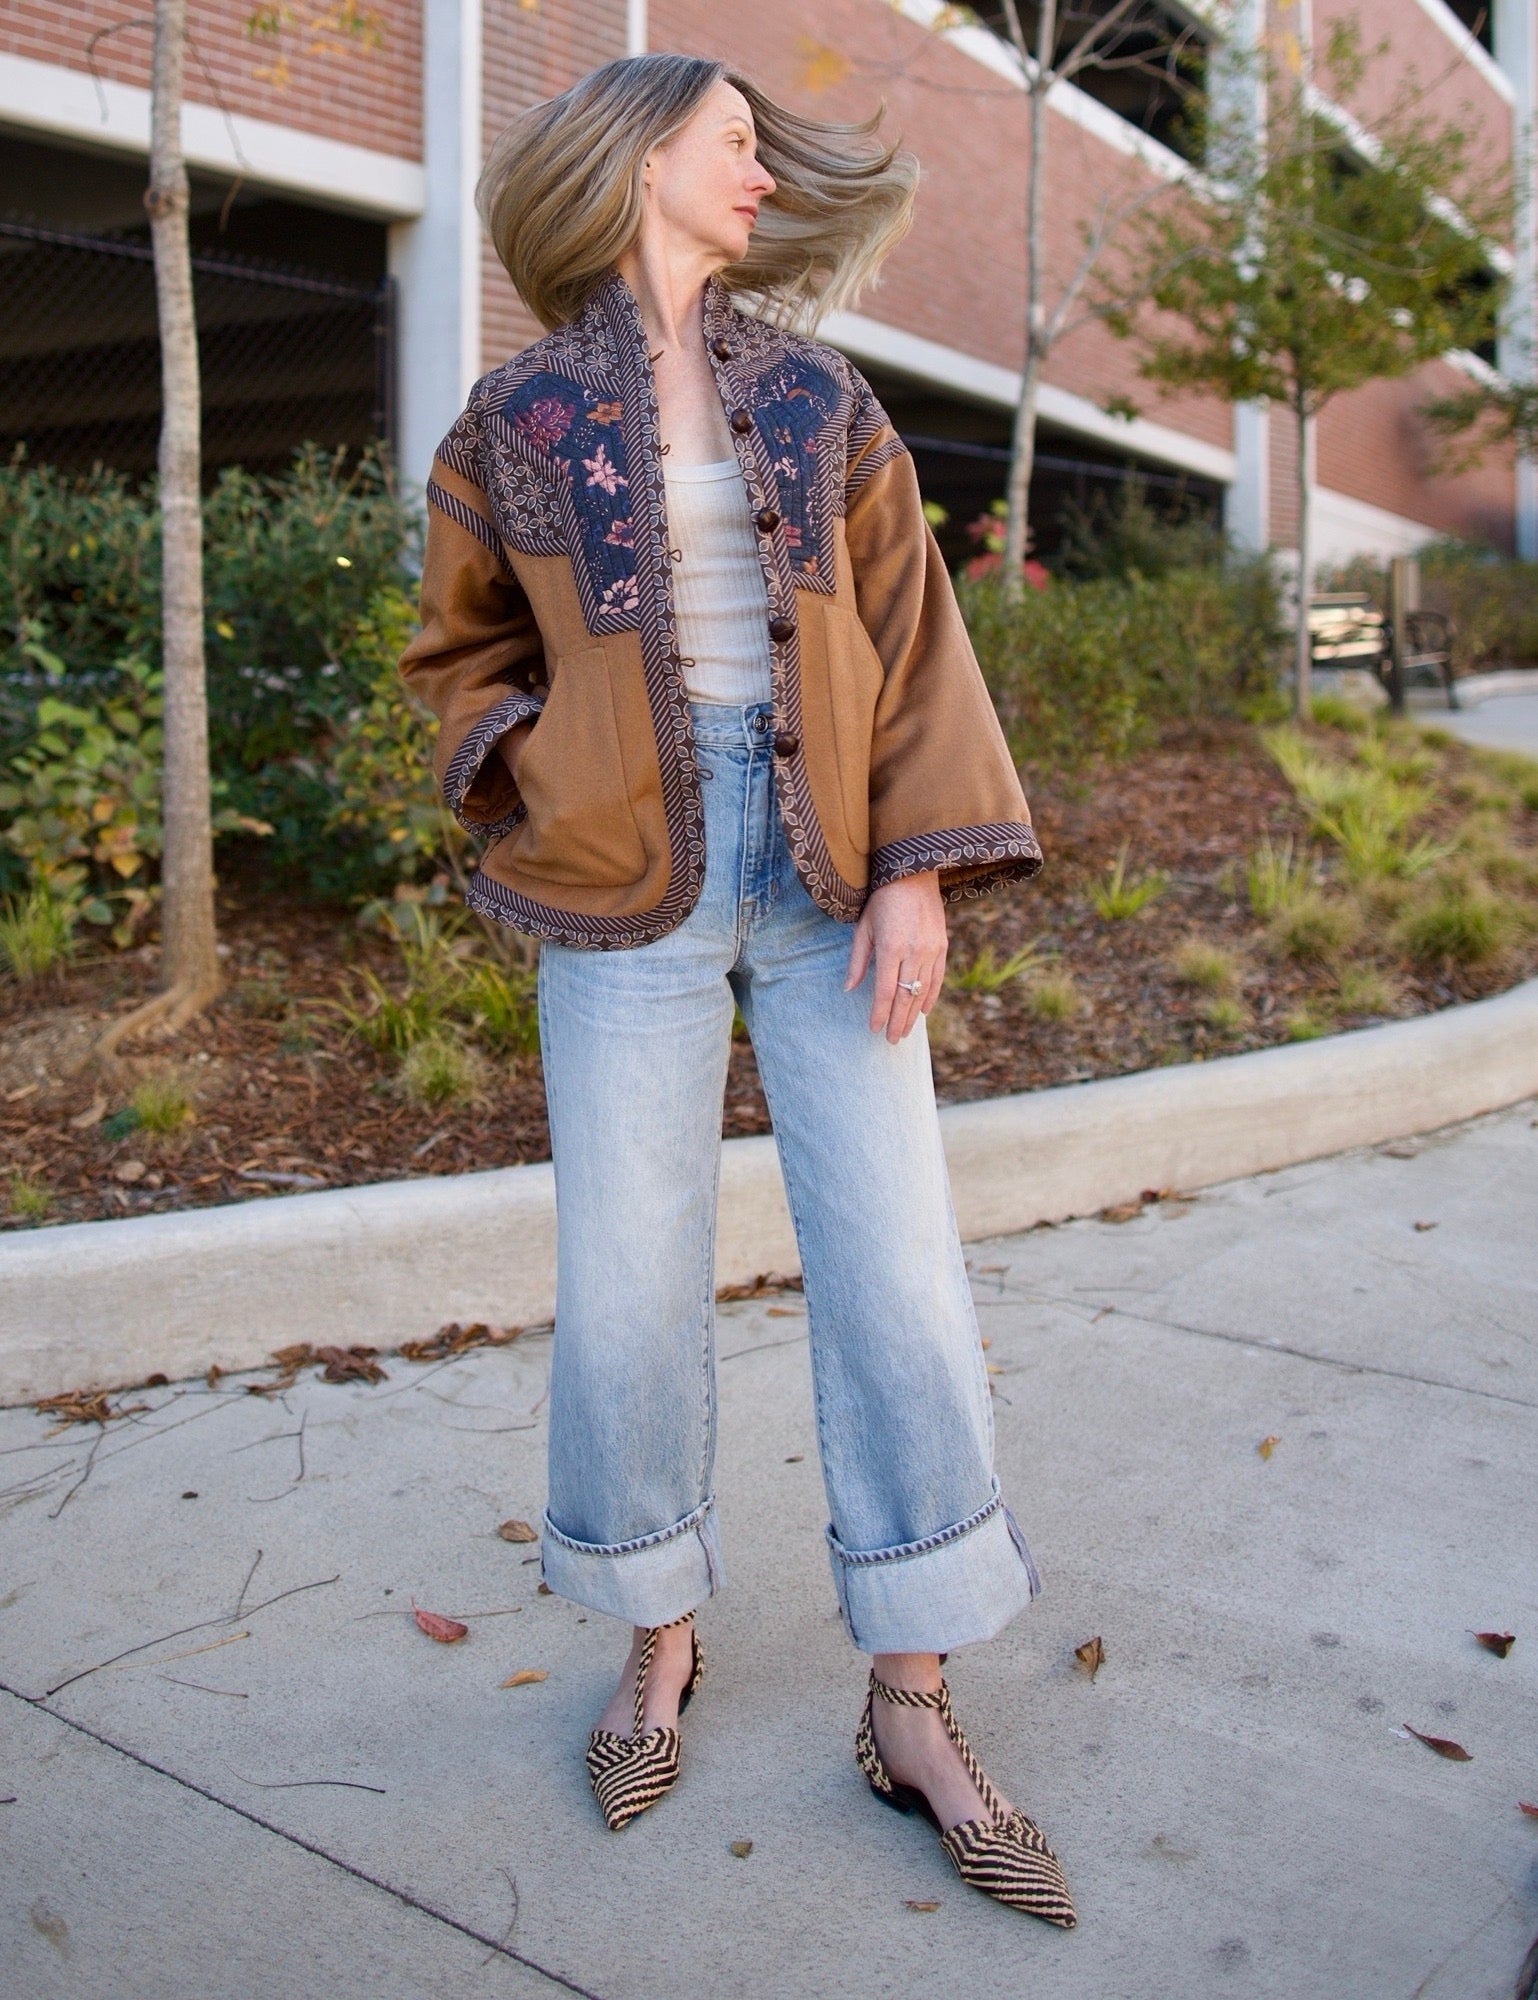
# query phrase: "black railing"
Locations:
[[287, 356]]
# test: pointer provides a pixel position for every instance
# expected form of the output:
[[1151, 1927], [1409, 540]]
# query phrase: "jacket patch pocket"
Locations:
[[581, 827], [854, 686]]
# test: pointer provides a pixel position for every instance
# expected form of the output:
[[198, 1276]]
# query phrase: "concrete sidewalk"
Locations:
[[1504, 722], [1233, 1799]]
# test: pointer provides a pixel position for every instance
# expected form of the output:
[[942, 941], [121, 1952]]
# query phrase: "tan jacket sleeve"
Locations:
[[478, 661], [944, 793]]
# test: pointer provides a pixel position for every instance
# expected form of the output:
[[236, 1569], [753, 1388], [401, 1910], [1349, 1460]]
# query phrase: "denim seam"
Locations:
[[905, 1551], [806, 1292], [689, 1525]]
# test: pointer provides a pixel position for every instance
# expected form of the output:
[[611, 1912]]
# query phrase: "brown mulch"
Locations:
[[287, 1100]]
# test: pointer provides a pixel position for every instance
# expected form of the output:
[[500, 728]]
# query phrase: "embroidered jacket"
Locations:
[[547, 610]]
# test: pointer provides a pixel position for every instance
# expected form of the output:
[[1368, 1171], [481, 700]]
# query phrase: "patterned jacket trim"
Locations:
[[465, 765], [1014, 850]]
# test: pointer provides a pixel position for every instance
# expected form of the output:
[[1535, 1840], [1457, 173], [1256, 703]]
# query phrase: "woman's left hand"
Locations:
[[903, 925]]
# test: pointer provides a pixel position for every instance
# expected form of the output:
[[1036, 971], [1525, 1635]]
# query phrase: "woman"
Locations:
[[705, 692]]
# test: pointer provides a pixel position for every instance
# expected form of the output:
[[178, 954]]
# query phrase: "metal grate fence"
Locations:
[[288, 357]]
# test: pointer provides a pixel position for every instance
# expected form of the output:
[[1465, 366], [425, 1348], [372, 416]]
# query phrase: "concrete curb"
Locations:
[[110, 1302]]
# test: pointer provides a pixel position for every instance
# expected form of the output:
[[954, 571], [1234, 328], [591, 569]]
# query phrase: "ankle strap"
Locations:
[[643, 1664], [911, 1697]]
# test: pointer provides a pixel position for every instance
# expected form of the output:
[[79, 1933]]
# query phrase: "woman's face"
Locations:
[[704, 184]]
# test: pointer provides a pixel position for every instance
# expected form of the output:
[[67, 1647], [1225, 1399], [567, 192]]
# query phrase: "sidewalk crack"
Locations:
[[496, 1945]]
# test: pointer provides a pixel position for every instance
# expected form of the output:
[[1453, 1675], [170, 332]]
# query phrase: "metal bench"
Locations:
[[1346, 630]]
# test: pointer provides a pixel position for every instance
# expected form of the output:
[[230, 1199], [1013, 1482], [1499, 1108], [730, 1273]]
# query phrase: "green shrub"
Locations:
[[37, 933], [81, 811], [1274, 878], [1120, 535], [1462, 923], [1053, 997], [1366, 990], [1208, 967], [27, 1198], [1082, 672], [294, 569], [987, 974], [162, 1105], [1119, 896], [1314, 928], [442, 1073], [1225, 1015], [1334, 711]]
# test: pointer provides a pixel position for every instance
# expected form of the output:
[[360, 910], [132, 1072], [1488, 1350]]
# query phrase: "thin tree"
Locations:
[[189, 954], [1065, 42], [1334, 249], [189, 961], [1072, 40]]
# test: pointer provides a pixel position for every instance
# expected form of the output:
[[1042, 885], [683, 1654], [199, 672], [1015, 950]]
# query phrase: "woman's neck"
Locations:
[[669, 291]]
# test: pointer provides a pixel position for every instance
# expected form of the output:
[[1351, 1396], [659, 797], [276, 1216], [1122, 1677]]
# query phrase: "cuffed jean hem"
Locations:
[[649, 1581], [954, 1588]]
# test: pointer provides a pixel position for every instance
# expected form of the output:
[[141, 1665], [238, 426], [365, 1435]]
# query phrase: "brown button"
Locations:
[[741, 422], [720, 350], [786, 745], [781, 629], [767, 521]]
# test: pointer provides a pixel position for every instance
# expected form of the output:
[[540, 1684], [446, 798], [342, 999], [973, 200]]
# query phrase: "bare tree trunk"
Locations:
[[1301, 656], [1017, 534], [1021, 466], [189, 971]]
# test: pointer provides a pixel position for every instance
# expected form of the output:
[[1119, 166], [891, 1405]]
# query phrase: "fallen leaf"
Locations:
[[986, 1343], [1422, 1227], [1122, 1211], [1444, 1746], [795, 1458], [93, 1114], [129, 1170], [784, 1312], [1090, 1656], [349, 1364], [526, 1677], [447, 1631], [992, 1267], [1524, 1807], [911, 1903], [545, 1590], [1267, 1445], [518, 1531], [1499, 1643], [766, 1281], [83, 1406], [742, 1849], [456, 1339], [1161, 1194]]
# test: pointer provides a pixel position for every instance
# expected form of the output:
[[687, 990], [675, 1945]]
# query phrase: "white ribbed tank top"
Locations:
[[719, 600]]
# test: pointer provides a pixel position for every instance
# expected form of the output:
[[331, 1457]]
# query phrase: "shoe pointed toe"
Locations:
[[629, 1774], [1010, 1861]]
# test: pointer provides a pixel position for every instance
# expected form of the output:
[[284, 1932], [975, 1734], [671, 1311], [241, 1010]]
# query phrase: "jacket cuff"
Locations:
[[988, 856], [466, 767]]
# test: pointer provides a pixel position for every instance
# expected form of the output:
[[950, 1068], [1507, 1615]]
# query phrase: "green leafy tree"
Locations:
[[1328, 248]]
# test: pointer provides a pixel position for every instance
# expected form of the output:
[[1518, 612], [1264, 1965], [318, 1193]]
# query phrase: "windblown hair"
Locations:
[[560, 193]]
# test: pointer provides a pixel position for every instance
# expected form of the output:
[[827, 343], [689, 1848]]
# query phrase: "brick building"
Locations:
[[345, 288]]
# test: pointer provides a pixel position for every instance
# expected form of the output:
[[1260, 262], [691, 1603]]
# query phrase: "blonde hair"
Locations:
[[560, 193]]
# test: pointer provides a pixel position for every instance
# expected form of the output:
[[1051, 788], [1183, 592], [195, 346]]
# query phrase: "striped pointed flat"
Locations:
[[1004, 1855], [630, 1773]]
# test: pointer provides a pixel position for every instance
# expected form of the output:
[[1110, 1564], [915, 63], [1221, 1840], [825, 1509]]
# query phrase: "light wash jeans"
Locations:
[[925, 1555]]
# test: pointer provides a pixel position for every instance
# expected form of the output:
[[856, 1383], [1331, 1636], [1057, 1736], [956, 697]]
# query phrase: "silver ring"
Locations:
[[911, 985]]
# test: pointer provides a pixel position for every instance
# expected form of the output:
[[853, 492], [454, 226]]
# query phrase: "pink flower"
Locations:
[[621, 535], [621, 595], [545, 421], [601, 472]]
